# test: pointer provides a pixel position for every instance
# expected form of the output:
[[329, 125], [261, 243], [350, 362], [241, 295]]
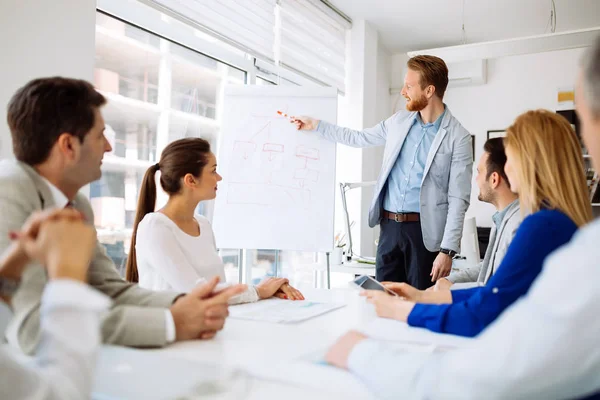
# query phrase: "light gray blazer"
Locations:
[[496, 250], [446, 185], [138, 315]]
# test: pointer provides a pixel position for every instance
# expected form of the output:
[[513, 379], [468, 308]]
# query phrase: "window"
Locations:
[[264, 82], [231, 259], [158, 91], [162, 86]]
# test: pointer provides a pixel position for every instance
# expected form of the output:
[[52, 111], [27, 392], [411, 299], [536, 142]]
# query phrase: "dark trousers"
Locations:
[[402, 255]]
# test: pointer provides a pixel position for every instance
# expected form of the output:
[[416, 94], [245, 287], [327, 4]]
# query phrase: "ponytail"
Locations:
[[146, 205], [181, 157]]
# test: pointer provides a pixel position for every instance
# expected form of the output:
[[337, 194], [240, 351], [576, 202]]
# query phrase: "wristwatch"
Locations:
[[451, 253], [8, 287]]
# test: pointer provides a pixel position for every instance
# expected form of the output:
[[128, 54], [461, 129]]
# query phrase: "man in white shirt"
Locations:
[[70, 313], [544, 347], [58, 140]]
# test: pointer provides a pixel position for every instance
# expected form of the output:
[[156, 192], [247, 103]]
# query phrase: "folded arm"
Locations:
[[63, 366]]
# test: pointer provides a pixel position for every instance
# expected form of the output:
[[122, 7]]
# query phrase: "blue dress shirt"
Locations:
[[498, 216], [472, 310], [403, 187]]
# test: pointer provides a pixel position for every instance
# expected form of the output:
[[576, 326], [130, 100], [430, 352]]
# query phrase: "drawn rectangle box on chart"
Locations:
[[307, 174], [307, 152], [273, 148]]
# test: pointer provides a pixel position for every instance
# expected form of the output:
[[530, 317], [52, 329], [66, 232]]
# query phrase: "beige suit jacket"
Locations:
[[137, 317]]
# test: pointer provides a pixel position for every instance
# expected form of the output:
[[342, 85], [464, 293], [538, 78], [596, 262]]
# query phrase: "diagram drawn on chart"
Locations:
[[269, 171]]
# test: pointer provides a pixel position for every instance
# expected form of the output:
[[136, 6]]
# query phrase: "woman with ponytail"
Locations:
[[174, 248]]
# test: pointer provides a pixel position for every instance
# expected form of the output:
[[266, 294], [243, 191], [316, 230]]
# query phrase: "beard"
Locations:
[[417, 104], [485, 195]]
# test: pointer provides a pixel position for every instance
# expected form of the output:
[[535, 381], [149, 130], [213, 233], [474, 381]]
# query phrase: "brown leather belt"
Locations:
[[402, 217]]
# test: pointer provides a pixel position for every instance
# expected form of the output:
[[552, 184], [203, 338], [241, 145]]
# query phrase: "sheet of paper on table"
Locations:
[[281, 311]]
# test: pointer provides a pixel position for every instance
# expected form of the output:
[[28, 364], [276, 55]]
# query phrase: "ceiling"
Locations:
[[406, 25]]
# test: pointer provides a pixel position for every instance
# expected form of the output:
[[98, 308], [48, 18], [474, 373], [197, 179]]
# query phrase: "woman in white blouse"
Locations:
[[174, 248]]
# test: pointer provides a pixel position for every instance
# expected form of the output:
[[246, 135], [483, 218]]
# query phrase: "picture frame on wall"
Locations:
[[496, 133]]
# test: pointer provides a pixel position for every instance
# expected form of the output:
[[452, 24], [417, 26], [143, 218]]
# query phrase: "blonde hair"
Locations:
[[549, 165]]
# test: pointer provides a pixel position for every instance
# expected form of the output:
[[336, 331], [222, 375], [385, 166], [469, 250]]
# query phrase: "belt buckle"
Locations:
[[396, 217]]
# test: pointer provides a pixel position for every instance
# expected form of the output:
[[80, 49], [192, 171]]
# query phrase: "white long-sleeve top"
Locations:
[[546, 346], [63, 366], [170, 259]]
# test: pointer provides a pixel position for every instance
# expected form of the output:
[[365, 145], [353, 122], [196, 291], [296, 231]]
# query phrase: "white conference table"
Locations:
[[281, 359]]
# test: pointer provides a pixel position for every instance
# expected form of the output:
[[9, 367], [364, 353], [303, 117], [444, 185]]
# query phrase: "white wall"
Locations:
[[43, 38], [365, 104], [398, 70], [377, 109], [514, 85]]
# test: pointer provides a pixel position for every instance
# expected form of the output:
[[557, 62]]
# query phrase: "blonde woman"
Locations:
[[545, 167]]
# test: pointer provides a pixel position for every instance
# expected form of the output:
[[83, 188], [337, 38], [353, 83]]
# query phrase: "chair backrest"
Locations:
[[470, 242]]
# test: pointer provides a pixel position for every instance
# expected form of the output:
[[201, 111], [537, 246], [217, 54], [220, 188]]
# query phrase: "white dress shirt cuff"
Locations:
[[466, 285], [385, 369], [170, 326], [74, 295], [249, 296], [361, 354], [253, 294]]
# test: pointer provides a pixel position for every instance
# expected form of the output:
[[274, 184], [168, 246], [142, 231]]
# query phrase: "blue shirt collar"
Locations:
[[435, 125], [498, 217]]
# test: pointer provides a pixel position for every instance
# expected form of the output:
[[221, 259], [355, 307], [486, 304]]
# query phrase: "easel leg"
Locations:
[[328, 272]]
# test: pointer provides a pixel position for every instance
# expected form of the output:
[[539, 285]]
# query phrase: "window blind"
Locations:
[[247, 24], [305, 36], [313, 41]]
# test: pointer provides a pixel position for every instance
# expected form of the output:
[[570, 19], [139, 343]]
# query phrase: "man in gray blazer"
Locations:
[[494, 188], [58, 139], [424, 186]]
